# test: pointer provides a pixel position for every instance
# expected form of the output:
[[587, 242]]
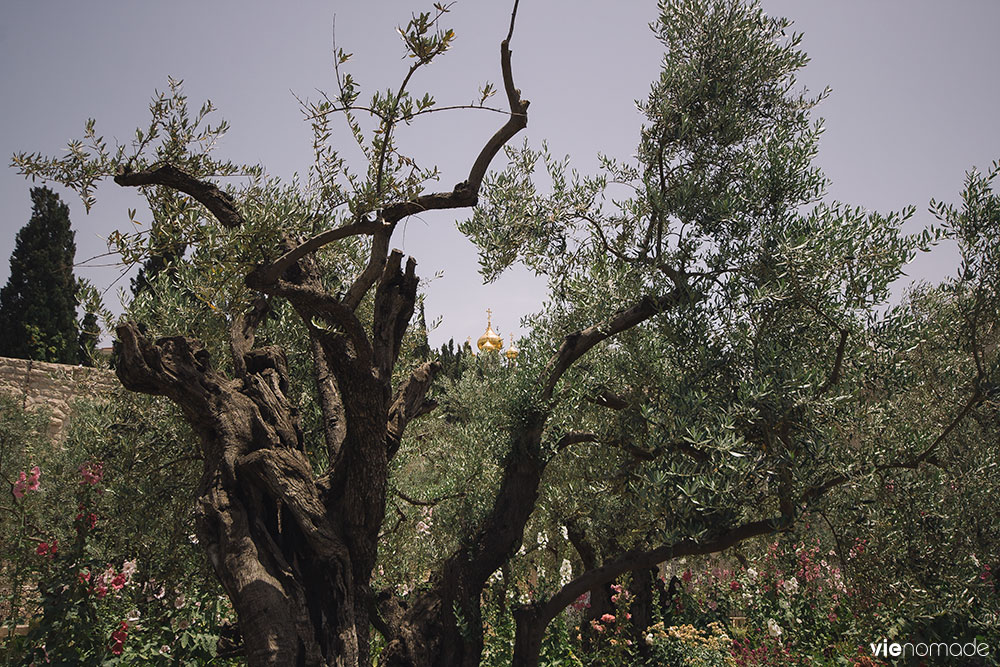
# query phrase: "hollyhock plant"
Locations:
[[26, 482], [118, 638], [92, 472]]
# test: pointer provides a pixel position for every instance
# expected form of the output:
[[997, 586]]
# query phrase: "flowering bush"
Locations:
[[678, 646]]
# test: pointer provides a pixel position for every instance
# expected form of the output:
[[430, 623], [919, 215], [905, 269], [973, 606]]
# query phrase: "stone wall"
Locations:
[[53, 387]]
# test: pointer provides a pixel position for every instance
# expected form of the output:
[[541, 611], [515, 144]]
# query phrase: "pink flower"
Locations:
[[92, 472], [582, 602], [686, 577], [734, 585], [118, 582], [26, 482], [84, 577], [608, 618]]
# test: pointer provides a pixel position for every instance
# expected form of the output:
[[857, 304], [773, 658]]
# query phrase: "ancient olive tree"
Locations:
[[703, 356]]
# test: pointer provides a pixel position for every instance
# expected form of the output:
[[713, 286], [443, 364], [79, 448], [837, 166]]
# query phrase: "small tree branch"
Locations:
[[837, 364], [817, 491], [433, 501], [220, 203], [575, 438]]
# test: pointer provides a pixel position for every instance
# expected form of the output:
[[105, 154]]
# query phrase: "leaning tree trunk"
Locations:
[[442, 627]]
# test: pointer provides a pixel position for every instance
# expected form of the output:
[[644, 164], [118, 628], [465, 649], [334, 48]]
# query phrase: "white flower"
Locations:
[[192, 538], [564, 532], [791, 585], [179, 601], [133, 616], [773, 628], [752, 574], [129, 568], [649, 639], [565, 572]]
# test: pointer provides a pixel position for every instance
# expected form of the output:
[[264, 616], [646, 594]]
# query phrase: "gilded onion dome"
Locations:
[[489, 341]]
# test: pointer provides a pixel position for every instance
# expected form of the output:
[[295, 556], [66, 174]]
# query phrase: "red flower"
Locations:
[[84, 577], [42, 549], [118, 638], [92, 520]]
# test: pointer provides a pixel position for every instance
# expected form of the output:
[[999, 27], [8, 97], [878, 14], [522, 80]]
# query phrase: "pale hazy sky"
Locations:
[[914, 102]]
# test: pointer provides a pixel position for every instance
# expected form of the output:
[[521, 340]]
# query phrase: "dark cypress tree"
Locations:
[[38, 303]]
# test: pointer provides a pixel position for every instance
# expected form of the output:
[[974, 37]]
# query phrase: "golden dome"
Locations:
[[512, 352], [489, 341]]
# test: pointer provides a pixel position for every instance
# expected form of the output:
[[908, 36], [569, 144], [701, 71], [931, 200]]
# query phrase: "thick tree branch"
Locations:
[[580, 342], [220, 203], [330, 400], [375, 266], [242, 331], [287, 476], [395, 298], [533, 619], [313, 303], [575, 438], [409, 403], [268, 274]]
